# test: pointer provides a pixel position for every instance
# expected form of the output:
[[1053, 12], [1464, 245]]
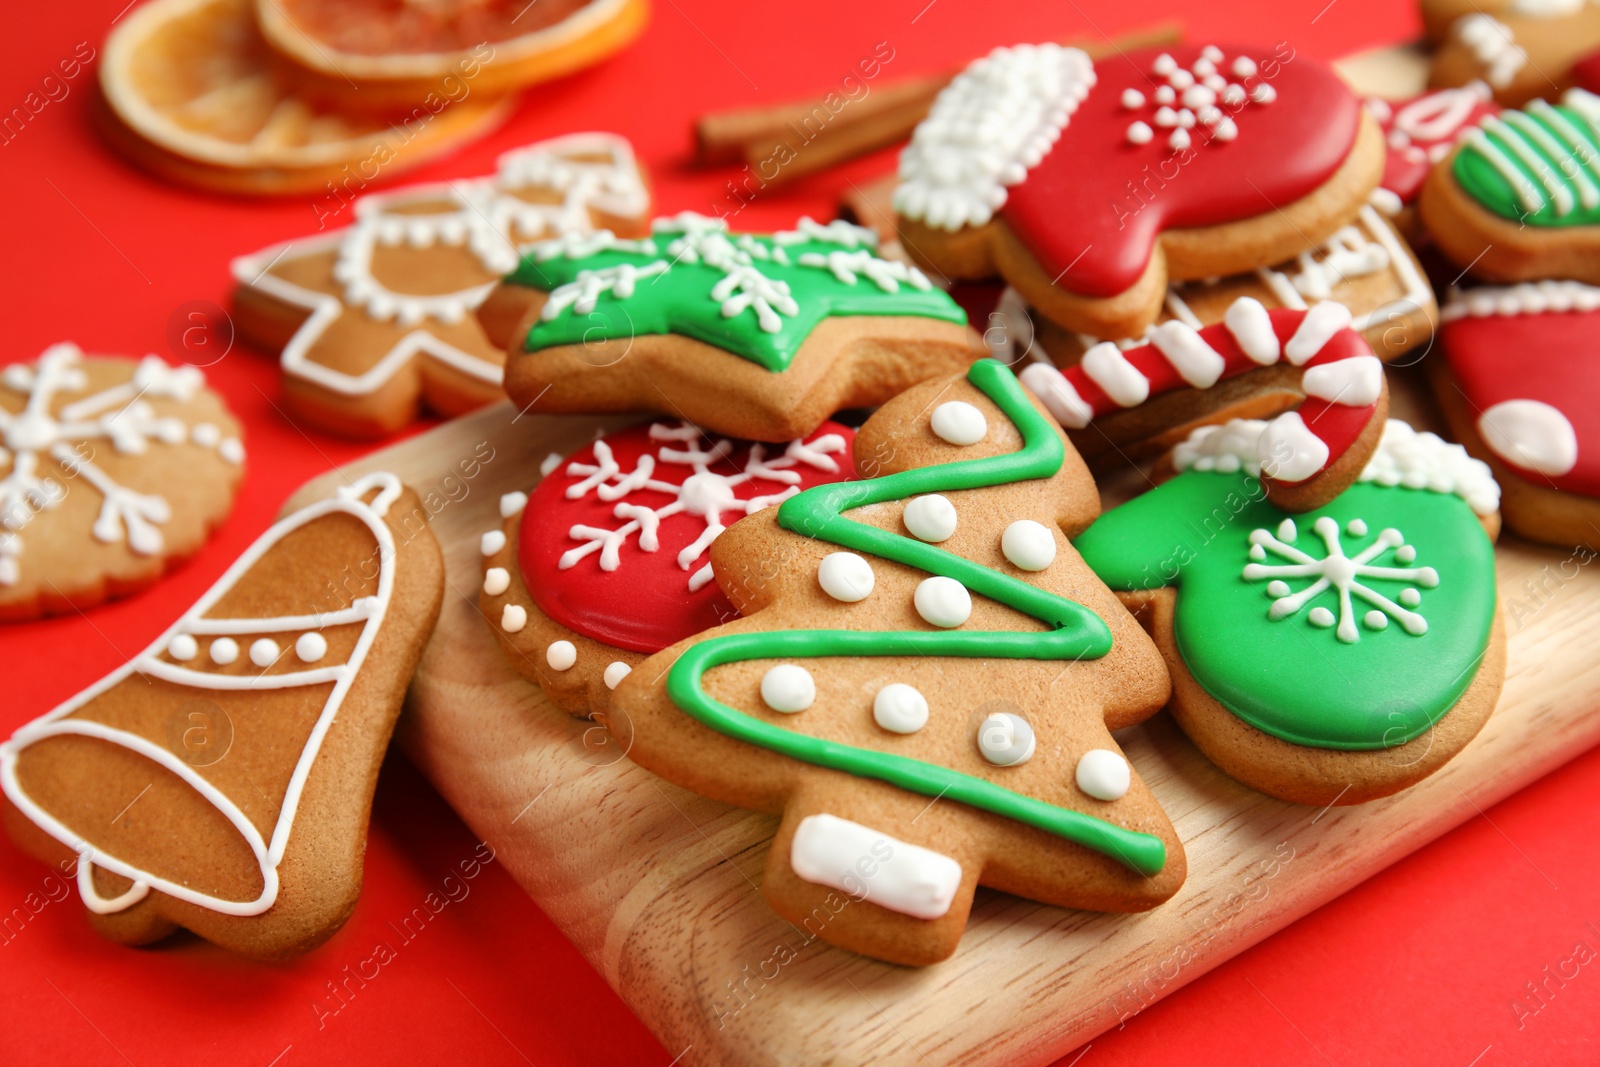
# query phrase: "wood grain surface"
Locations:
[[660, 889]]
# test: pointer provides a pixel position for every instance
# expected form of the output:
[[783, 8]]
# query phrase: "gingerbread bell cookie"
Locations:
[[1522, 48], [1126, 403], [221, 781], [606, 562], [1520, 387], [1519, 198], [923, 684], [1090, 185], [376, 319], [1329, 657], [754, 336], [110, 471]]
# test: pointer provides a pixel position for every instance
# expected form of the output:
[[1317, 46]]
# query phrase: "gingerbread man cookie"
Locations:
[[1519, 387], [1330, 657], [377, 319], [1142, 400], [752, 336], [221, 781], [1090, 185], [605, 562], [1522, 48], [110, 471], [923, 684]]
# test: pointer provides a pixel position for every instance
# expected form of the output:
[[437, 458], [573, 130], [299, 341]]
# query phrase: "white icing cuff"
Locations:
[[872, 866]]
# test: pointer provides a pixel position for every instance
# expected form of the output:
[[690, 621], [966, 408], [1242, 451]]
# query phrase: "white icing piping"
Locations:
[[1529, 298], [1492, 45]]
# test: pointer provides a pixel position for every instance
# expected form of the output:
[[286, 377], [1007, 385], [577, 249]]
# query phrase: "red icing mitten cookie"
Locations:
[[607, 561], [1520, 386], [1089, 186], [1123, 403], [222, 780]]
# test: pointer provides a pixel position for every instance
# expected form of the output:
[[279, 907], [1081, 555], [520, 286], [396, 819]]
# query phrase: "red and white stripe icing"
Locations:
[[1527, 360], [1342, 379]]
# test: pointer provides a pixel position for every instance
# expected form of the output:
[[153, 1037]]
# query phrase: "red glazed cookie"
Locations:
[[1089, 186], [110, 471], [221, 781], [606, 562]]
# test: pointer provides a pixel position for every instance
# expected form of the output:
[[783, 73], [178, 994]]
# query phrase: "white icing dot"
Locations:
[[930, 518], [1263, 93], [1226, 130], [1410, 597], [496, 580], [845, 576], [959, 423], [1104, 774], [1244, 67], [1165, 94], [1029, 545], [311, 647], [206, 434], [1406, 554], [1321, 617], [1166, 117], [1357, 528], [1140, 133], [616, 671], [942, 601], [561, 655], [1006, 740], [513, 618], [900, 708], [1132, 98], [1164, 64], [1258, 553], [1198, 96], [183, 647], [231, 450], [492, 542], [1277, 588], [264, 652], [549, 464], [788, 688], [1287, 531], [512, 503], [1210, 55], [224, 650], [1376, 620], [1180, 79], [1179, 140], [1186, 118]]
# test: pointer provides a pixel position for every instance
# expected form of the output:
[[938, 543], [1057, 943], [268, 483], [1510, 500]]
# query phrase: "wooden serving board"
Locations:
[[660, 889]]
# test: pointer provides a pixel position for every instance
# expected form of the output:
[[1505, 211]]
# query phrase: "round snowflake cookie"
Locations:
[[110, 469], [607, 561]]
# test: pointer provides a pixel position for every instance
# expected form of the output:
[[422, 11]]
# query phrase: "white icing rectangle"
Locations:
[[873, 866]]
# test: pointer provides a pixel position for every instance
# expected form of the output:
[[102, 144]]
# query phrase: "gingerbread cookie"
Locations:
[[605, 563], [1365, 266], [1516, 382], [1090, 186], [748, 335], [1519, 199], [1330, 657], [923, 684], [111, 470], [377, 319], [1522, 48], [1121, 404], [221, 781], [1420, 131]]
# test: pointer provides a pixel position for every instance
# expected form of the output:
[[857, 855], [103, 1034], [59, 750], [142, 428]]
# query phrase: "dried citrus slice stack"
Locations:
[[394, 50], [192, 92]]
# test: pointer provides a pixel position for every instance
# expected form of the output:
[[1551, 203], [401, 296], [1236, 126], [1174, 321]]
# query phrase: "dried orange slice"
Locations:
[[193, 93], [403, 49]]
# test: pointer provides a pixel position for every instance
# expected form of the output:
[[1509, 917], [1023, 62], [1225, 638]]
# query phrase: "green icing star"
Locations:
[[756, 296]]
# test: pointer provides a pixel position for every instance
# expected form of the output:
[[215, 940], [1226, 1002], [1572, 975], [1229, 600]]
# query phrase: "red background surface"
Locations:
[[1422, 963]]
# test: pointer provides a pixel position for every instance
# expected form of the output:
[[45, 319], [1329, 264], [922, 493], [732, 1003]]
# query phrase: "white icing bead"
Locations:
[[1376, 620], [1166, 117], [1357, 528], [1164, 64], [1180, 79], [1186, 118], [846, 577], [1277, 589], [1140, 133], [1132, 98], [496, 580], [1165, 94], [511, 503], [224, 650], [1263, 93], [943, 602], [1179, 140], [1244, 67], [1287, 531], [931, 518], [1321, 617], [206, 435], [616, 671], [492, 542], [1410, 597], [1104, 774], [1406, 554], [264, 652], [513, 618], [788, 688], [1006, 740], [900, 708], [311, 647], [959, 423], [1234, 96], [231, 450], [1029, 545], [182, 647], [561, 655], [1211, 55]]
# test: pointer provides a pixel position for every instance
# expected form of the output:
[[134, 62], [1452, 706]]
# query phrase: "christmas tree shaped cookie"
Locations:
[[923, 685], [1329, 657], [754, 336]]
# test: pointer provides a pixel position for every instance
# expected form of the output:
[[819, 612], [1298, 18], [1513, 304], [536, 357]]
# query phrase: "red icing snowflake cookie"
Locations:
[[606, 561], [1089, 185]]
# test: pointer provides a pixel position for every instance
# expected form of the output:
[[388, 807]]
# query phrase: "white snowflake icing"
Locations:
[[120, 416], [1342, 575], [705, 493]]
